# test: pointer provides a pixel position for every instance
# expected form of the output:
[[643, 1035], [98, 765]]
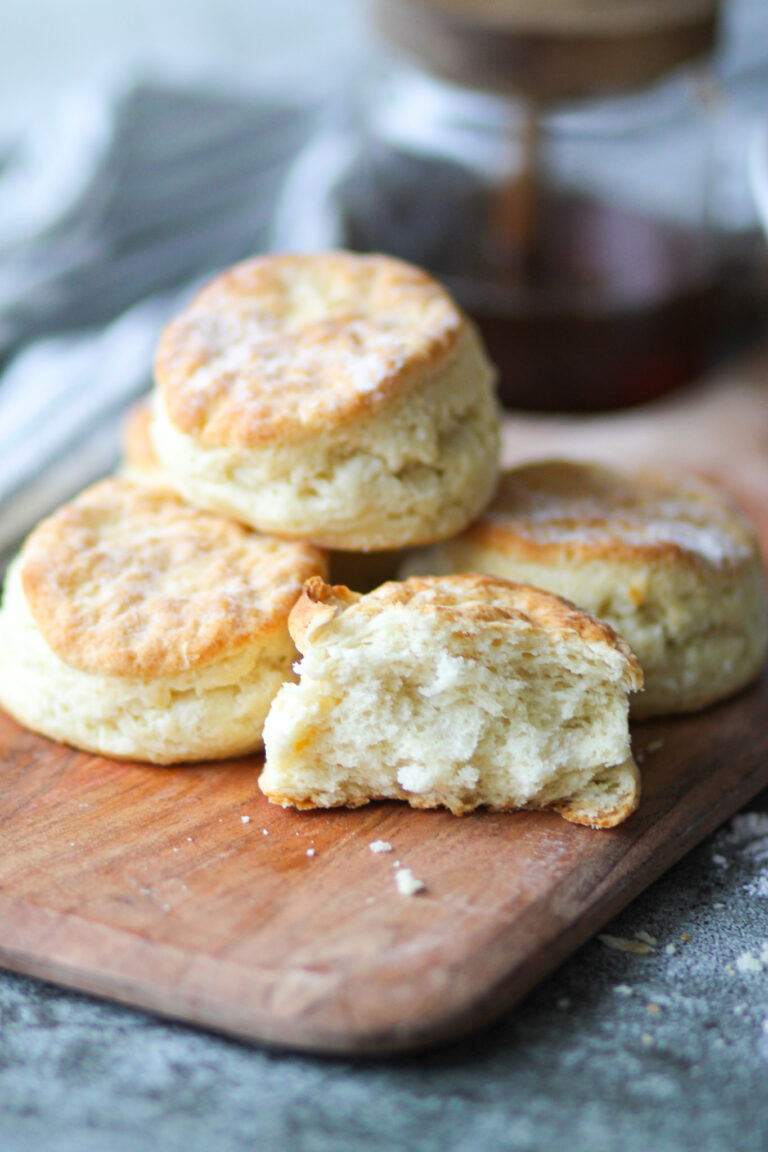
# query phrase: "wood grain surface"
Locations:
[[149, 886]]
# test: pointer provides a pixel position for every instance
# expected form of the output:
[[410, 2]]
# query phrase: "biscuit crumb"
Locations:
[[407, 884], [623, 990], [653, 1009], [620, 944], [245, 819], [647, 1040], [671, 949], [380, 846], [310, 852], [720, 861], [685, 937], [645, 938]]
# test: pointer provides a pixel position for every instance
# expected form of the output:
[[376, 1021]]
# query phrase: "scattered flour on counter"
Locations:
[[747, 962], [749, 833], [759, 886]]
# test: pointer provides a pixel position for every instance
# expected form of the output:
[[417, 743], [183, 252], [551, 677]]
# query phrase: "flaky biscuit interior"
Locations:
[[462, 692]]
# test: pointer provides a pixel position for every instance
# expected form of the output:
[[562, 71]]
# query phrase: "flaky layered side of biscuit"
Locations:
[[337, 398], [462, 692], [665, 559], [137, 627]]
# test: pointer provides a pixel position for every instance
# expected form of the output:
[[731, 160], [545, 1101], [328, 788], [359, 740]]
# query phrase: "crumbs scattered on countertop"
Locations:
[[638, 946], [380, 846], [407, 884]]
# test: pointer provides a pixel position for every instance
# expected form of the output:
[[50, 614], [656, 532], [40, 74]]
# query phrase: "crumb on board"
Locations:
[[623, 990], [647, 1040], [620, 944], [265, 831], [653, 1009], [685, 937], [671, 949], [646, 938], [380, 846], [310, 852], [245, 819], [407, 884]]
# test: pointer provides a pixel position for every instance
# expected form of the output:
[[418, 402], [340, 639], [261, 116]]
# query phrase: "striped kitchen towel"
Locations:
[[108, 216]]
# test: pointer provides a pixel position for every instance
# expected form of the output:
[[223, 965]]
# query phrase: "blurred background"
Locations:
[[578, 174]]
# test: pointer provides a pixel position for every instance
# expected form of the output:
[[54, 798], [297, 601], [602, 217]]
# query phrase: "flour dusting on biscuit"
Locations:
[[334, 397]]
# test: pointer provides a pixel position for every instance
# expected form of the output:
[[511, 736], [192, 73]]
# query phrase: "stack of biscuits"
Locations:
[[335, 413]]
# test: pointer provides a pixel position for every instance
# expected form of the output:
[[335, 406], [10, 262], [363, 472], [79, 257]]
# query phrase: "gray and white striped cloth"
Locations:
[[107, 216]]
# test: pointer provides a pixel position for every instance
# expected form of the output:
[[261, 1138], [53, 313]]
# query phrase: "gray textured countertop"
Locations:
[[667, 1050]]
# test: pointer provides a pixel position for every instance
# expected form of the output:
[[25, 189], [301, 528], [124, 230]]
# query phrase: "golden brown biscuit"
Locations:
[[139, 627], [665, 559], [359, 570], [330, 396], [459, 691], [140, 463]]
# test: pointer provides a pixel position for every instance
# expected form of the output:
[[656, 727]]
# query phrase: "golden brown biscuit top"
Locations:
[[129, 581], [284, 346], [466, 601], [138, 449], [557, 507]]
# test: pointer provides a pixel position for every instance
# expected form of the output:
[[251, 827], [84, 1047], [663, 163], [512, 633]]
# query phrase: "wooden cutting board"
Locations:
[[181, 890]]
